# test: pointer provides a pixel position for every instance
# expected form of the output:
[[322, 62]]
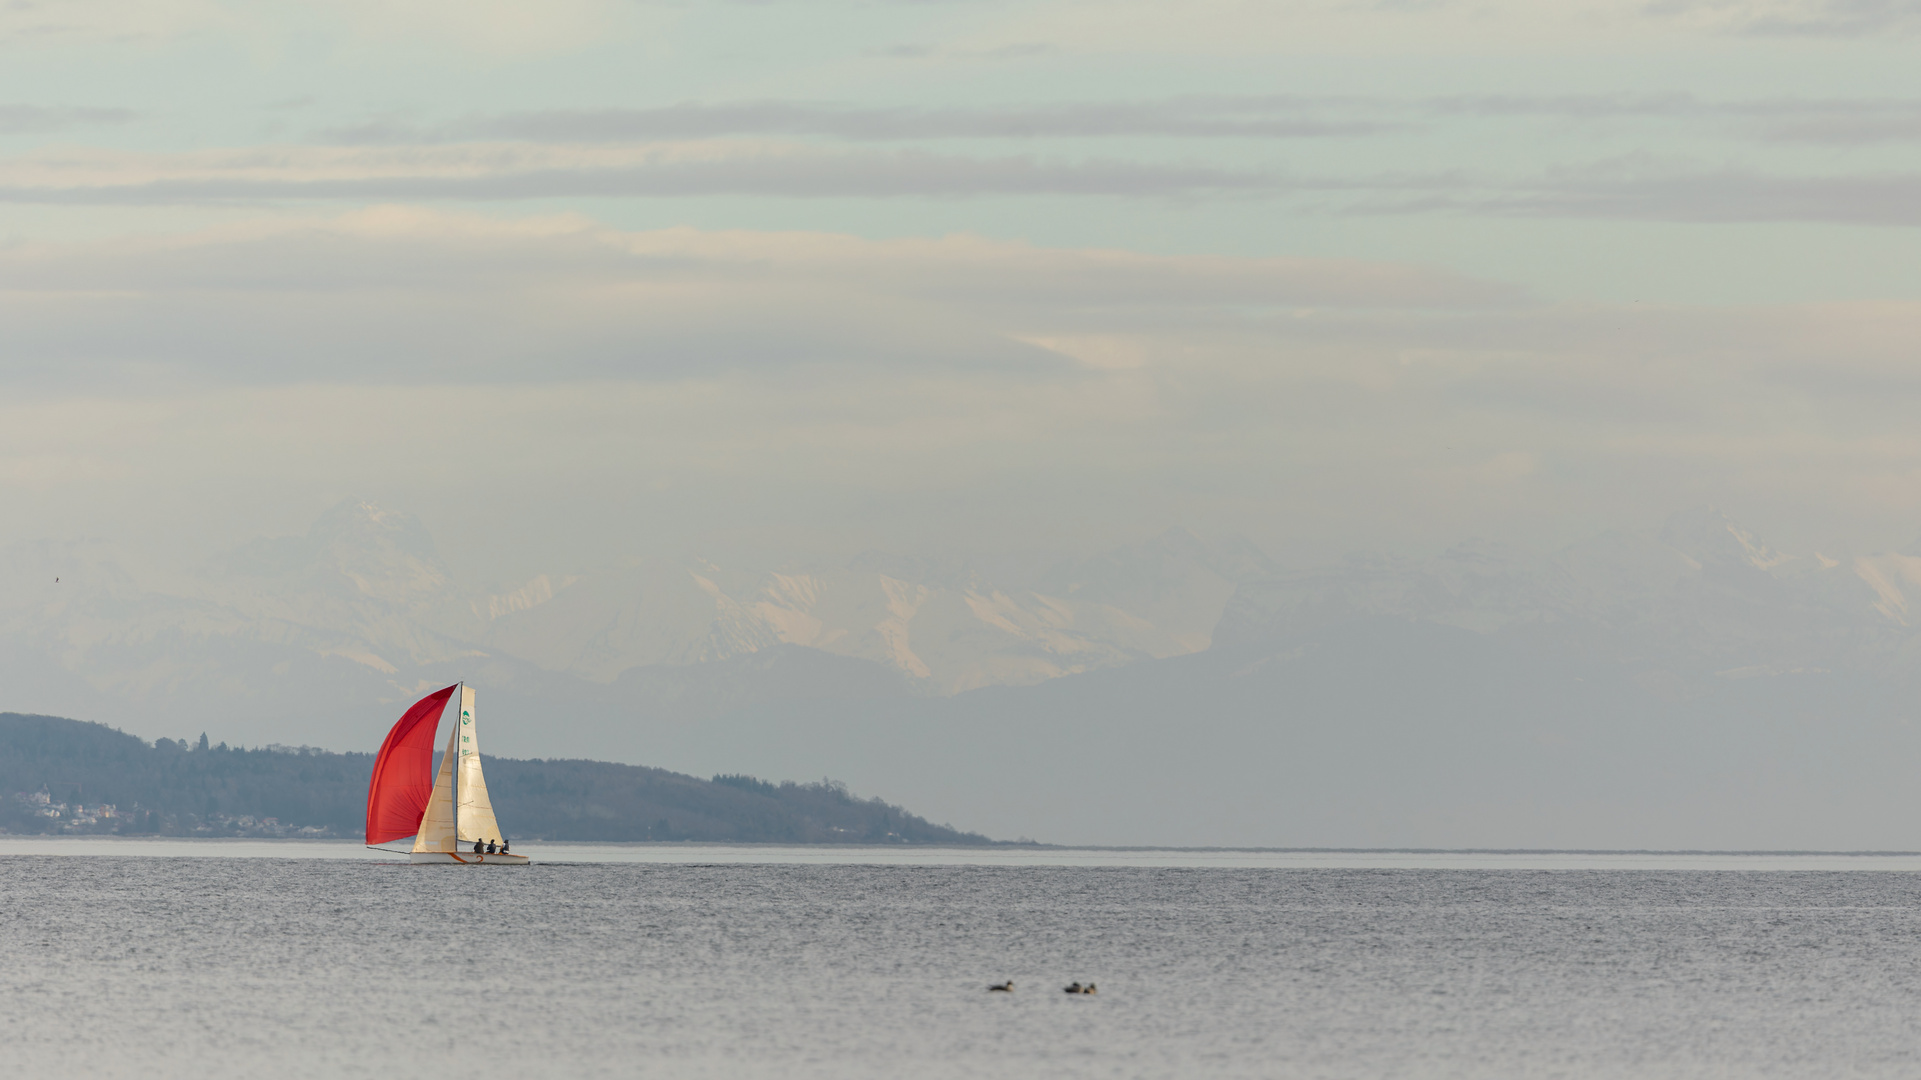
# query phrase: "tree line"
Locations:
[[176, 787]]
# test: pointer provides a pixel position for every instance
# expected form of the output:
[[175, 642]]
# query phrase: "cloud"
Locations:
[[494, 28], [42, 22], [1822, 121], [525, 171], [17, 119], [406, 295], [1798, 18], [1830, 121], [639, 387], [1477, 29], [1634, 188], [488, 28], [1679, 194], [1638, 187], [918, 51], [1638, 190], [397, 295], [1837, 122], [1194, 117]]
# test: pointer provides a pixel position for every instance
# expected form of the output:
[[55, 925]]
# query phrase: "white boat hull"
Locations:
[[467, 858]]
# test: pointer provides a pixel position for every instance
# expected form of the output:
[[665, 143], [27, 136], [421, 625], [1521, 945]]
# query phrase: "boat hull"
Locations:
[[467, 858]]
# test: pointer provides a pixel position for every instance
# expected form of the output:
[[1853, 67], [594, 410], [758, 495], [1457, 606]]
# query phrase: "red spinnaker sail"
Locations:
[[404, 772]]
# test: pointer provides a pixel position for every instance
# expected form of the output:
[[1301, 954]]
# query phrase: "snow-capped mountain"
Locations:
[[363, 608], [943, 628], [1594, 695], [1691, 687], [361, 611], [1702, 597]]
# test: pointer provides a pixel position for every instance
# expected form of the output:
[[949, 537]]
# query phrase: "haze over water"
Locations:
[[1309, 423], [218, 967], [1393, 423]]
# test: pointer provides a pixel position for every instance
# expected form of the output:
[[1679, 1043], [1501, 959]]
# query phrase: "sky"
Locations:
[[583, 281]]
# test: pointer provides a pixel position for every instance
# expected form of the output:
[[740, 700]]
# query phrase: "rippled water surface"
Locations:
[[254, 967]]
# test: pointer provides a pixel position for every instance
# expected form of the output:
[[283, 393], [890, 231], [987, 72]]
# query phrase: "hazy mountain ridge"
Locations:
[[1687, 688], [179, 788], [1095, 697], [1703, 598], [1593, 696], [946, 626], [361, 609]]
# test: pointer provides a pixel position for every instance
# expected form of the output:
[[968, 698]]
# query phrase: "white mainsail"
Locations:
[[476, 818], [437, 827]]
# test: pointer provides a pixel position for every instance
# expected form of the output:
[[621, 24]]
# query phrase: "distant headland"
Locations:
[[77, 777]]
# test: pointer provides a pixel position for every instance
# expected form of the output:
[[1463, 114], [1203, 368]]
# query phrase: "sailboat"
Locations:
[[446, 812]]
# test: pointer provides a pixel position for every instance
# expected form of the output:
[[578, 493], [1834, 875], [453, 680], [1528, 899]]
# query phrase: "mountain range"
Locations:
[[1689, 686], [286, 637]]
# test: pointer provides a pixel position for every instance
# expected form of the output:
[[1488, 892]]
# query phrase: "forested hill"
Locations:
[[67, 776]]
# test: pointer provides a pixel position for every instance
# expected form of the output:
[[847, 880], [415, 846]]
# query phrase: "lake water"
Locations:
[[140, 959]]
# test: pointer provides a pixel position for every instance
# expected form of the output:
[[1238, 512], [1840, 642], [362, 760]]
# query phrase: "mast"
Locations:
[[460, 694]]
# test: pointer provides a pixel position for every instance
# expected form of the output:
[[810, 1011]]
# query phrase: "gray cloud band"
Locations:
[[1269, 117], [889, 176], [1728, 196], [1699, 198], [439, 302], [1185, 118], [1258, 117], [1821, 19], [20, 119]]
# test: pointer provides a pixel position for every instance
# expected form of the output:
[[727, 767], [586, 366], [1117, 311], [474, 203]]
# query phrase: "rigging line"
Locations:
[[396, 851]]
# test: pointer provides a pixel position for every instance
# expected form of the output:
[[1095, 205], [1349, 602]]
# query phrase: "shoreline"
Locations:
[[684, 853]]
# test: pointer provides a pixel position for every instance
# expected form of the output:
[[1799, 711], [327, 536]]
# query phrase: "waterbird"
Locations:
[[1076, 988], [1007, 986]]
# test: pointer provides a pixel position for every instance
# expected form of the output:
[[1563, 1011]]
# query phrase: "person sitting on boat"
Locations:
[[492, 848], [503, 847], [478, 847]]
